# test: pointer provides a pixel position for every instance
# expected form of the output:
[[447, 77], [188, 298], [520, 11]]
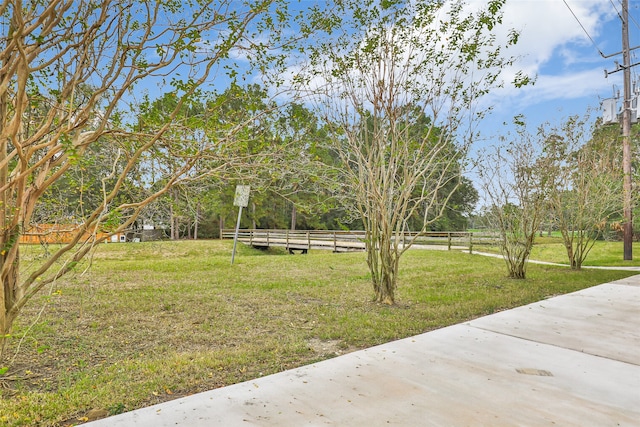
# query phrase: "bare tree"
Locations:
[[401, 97], [69, 72], [584, 173], [514, 186]]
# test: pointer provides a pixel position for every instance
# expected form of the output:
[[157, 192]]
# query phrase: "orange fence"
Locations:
[[52, 233]]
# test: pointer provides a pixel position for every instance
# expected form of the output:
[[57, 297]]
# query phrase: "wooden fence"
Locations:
[[343, 241]]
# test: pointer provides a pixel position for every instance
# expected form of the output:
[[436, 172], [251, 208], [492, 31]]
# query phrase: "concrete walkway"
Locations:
[[572, 360], [557, 264]]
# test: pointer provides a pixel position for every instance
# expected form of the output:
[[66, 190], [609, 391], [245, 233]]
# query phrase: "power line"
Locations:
[[584, 29], [628, 15], [634, 21], [616, 9]]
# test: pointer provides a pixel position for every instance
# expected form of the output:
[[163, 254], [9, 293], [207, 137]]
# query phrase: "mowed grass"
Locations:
[[603, 253], [551, 249], [149, 322]]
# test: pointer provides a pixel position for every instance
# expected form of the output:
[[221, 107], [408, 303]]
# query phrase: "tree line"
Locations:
[[284, 155]]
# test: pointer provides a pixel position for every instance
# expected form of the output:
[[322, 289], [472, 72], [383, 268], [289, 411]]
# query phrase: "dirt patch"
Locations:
[[327, 348]]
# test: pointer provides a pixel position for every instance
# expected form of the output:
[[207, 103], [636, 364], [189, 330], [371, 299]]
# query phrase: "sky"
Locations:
[[569, 70], [562, 52]]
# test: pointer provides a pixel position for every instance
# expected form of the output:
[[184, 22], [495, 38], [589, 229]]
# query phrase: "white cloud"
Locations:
[[547, 25], [554, 48], [589, 83]]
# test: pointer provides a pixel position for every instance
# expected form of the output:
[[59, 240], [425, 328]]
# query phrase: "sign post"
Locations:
[[242, 201]]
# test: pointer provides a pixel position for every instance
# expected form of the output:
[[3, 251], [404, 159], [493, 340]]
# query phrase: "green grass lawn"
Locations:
[[151, 322], [602, 254], [551, 249]]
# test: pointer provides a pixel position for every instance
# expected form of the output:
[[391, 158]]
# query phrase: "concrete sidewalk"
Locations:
[[557, 264], [572, 360]]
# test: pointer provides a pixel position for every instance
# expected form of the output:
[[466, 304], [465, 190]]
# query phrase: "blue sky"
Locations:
[[569, 69], [555, 48]]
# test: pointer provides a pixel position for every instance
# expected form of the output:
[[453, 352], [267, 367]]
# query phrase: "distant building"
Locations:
[[64, 233]]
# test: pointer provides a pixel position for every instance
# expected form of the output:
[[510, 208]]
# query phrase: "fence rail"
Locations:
[[345, 241]]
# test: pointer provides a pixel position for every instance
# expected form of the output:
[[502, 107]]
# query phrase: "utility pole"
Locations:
[[626, 137]]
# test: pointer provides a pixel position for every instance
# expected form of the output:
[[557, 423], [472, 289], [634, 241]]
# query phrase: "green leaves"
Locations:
[[521, 80]]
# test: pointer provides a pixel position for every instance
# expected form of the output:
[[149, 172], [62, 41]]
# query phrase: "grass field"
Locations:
[[602, 253], [551, 249], [151, 322]]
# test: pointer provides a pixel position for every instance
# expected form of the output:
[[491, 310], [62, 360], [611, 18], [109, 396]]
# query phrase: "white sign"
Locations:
[[242, 196]]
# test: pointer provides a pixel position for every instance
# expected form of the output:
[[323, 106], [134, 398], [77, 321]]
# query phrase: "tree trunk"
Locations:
[[294, 214], [518, 271], [8, 280], [9, 263], [253, 216], [172, 223], [516, 255], [196, 222], [383, 265], [571, 254], [578, 256], [385, 293]]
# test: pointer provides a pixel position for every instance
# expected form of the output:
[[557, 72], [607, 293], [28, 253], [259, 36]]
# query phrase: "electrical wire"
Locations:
[[634, 20], [616, 9], [584, 29], [620, 13]]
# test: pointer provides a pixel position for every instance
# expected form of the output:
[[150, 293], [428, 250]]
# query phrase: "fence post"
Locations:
[[308, 240], [449, 240], [470, 242]]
